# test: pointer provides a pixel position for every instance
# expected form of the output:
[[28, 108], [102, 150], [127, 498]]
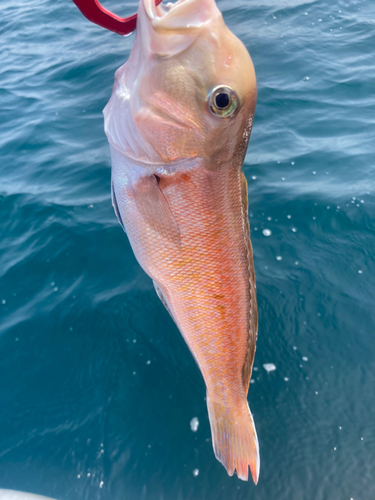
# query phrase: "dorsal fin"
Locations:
[[253, 321]]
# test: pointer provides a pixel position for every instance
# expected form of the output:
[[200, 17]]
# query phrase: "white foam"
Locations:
[[269, 367], [18, 495], [194, 424]]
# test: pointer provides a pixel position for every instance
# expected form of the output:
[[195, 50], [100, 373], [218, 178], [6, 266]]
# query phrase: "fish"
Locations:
[[178, 123], [19, 495]]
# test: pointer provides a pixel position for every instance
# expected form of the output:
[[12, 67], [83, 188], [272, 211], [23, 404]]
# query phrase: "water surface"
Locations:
[[97, 387]]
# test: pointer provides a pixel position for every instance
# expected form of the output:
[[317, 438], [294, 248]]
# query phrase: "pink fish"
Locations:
[[178, 123]]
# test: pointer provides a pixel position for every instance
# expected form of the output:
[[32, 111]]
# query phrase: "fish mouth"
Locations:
[[157, 11], [180, 15]]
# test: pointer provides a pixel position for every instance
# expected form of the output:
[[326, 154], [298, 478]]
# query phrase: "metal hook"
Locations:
[[96, 13]]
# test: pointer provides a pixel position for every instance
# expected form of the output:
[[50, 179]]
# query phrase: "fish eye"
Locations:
[[223, 101]]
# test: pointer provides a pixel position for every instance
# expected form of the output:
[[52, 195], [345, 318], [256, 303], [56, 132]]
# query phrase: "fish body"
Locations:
[[178, 123]]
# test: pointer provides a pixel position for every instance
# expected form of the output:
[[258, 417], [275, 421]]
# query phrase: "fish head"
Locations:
[[188, 89]]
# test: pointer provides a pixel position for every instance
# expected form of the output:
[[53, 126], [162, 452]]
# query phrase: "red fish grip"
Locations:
[[96, 13]]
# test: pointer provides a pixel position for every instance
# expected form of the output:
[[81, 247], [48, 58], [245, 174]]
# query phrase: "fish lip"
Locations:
[[150, 9], [170, 29], [155, 13], [196, 12]]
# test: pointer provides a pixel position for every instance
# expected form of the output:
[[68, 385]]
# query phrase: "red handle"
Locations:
[[97, 14]]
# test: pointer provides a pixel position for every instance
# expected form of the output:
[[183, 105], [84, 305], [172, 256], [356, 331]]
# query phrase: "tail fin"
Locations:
[[234, 439]]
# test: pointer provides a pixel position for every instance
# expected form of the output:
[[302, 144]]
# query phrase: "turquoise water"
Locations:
[[97, 387]]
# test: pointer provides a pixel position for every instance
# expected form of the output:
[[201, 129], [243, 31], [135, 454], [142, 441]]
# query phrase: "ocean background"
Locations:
[[97, 387]]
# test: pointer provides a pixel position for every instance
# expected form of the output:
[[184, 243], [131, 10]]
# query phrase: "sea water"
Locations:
[[97, 387]]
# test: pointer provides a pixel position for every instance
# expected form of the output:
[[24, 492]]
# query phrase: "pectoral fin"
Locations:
[[154, 208]]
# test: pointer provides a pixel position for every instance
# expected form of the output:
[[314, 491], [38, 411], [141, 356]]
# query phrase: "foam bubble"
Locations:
[[269, 367], [194, 424]]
